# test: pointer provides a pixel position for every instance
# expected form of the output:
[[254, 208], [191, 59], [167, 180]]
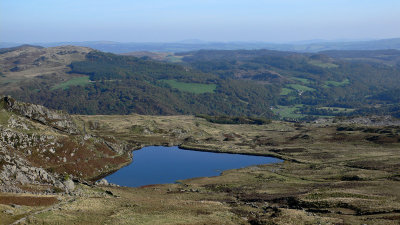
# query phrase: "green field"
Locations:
[[285, 91], [337, 84], [322, 64], [288, 111], [300, 87], [195, 88], [82, 81]]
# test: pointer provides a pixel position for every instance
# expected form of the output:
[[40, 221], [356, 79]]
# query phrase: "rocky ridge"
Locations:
[[56, 119], [43, 150]]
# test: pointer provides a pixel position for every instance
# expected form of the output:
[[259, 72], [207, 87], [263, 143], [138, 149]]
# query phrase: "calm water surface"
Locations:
[[158, 165]]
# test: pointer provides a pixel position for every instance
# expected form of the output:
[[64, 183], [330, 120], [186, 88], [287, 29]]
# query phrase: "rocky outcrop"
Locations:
[[56, 119], [102, 182], [42, 150], [24, 142], [17, 171]]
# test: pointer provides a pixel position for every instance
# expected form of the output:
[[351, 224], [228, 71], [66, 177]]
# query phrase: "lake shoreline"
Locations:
[[191, 148], [166, 164]]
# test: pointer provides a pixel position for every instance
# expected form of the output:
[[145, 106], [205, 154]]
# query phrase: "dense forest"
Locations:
[[255, 83]]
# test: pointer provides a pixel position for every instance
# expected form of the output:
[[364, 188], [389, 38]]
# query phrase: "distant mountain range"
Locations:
[[192, 45]]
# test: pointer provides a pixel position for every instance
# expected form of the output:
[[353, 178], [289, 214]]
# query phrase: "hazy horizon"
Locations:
[[194, 41], [274, 21]]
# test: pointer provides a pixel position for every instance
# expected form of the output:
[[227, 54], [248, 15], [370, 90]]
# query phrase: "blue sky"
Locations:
[[211, 20]]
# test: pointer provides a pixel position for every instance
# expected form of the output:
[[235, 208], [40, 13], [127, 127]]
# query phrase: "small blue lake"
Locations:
[[159, 165]]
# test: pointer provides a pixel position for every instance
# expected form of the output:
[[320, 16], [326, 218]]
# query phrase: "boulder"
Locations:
[[102, 182], [69, 185]]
